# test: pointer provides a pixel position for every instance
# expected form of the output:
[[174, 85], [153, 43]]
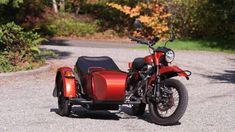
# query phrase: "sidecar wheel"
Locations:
[[138, 109], [171, 114], [64, 106], [63, 102]]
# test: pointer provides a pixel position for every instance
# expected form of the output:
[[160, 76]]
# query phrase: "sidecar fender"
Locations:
[[171, 71], [69, 82]]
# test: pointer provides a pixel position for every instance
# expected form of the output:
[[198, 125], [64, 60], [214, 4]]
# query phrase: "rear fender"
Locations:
[[69, 83], [171, 71]]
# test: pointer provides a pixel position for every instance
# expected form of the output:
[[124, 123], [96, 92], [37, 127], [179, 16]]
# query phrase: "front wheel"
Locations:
[[169, 110]]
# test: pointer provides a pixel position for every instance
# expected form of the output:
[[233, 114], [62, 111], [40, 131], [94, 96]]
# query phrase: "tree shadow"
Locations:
[[54, 54], [56, 42], [227, 77]]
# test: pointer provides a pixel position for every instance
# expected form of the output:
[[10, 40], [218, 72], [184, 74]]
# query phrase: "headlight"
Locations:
[[169, 56]]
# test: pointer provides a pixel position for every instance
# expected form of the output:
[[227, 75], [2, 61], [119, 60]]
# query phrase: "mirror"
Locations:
[[172, 37], [156, 39], [137, 24]]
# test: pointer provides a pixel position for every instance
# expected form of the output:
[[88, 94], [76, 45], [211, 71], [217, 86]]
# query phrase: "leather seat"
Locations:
[[84, 62], [138, 63]]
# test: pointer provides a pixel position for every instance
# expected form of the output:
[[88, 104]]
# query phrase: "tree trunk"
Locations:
[[77, 10], [55, 6]]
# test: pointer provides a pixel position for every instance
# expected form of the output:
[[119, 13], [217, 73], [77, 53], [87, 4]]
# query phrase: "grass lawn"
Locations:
[[201, 45]]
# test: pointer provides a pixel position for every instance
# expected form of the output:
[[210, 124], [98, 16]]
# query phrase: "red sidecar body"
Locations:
[[95, 83]]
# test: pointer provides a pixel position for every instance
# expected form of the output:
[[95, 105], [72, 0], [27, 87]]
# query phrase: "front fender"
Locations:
[[171, 71], [69, 83]]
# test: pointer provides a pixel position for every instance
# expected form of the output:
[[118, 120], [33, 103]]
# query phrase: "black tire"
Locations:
[[64, 106], [138, 109], [180, 109], [63, 102]]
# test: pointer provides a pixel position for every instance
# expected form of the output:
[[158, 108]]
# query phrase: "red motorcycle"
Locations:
[[96, 83]]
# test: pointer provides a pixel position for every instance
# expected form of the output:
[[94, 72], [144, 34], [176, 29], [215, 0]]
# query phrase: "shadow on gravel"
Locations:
[[228, 76], [56, 42], [57, 54], [146, 117], [82, 113], [88, 43]]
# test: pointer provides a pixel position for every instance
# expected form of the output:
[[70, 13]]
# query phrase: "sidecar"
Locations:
[[95, 83]]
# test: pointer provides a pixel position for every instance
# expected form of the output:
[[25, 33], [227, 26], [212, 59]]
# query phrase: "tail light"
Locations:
[[69, 74]]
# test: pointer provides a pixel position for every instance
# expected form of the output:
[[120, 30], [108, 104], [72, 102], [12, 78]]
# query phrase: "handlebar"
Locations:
[[144, 41], [139, 40]]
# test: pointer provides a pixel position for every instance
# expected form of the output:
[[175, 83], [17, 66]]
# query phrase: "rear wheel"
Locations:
[[138, 109], [63, 102], [170, 110]]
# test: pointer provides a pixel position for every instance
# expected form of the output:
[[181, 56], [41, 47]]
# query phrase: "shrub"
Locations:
[[5, 64], [107, 17], [203, 19], [68, 27], [18, 48]]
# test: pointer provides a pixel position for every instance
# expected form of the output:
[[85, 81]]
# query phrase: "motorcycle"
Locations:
[[96, 83]]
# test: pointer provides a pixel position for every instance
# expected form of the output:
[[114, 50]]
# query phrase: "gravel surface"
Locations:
[[26, 102]]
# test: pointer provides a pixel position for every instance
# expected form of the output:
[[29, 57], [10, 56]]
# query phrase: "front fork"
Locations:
[[156, 89]]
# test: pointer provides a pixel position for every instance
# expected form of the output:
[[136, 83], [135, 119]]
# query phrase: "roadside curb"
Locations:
[[45, 68]]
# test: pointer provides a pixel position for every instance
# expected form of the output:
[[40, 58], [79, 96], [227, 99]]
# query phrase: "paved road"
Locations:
[[91, 43], [26, 102]]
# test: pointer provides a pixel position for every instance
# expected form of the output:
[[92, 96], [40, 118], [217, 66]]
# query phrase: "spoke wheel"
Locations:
[[167, 109], [170, 112]]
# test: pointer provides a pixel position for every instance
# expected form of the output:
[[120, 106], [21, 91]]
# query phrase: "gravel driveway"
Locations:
[[26, 102]]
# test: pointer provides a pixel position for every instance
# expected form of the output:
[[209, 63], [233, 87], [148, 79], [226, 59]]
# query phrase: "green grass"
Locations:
[[199, 45]]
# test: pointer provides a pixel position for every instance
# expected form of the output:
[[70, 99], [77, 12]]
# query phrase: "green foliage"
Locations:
[[203, 19], [8, 9], [12, 3], [5, 64], [14, 39], [107, 17], [192, 19], [18, 48], [4, 2], [68, 27], [23, 11]]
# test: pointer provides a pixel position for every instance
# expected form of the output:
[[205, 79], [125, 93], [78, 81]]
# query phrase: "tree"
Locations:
[[153, 15], [55, 6], [8, 9]]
